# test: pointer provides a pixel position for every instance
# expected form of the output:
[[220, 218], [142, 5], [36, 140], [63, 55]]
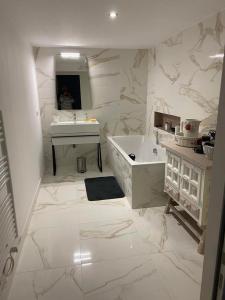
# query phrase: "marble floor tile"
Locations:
[[47, 248], [163, 230], [103, 250], [104, 210], [62, 196], [133, 278], [50, 284], [112, 240], [185, 283], [69, 174], [56, 218], [142, 277]]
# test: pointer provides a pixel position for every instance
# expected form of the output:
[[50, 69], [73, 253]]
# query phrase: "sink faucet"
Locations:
[[74, 116]]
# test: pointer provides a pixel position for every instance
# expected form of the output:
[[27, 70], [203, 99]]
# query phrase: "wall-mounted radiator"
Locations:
[[8, 226]]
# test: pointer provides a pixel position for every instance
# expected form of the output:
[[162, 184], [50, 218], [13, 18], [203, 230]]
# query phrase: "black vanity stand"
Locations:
[[76, 140]]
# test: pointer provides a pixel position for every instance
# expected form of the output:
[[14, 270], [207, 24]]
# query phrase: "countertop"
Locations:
[[197, 159]]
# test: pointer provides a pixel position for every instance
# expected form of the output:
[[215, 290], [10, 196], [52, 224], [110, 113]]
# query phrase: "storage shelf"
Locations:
[[184, 208], [162, 130]]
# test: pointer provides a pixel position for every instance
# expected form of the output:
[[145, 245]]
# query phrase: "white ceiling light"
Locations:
[[219, 55], [113, 14], [71, 55]]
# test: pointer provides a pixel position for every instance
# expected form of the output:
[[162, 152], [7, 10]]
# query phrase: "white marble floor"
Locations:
[[103, 250]]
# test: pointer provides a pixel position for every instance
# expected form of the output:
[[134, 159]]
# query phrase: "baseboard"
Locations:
[[5, 294], [27, 223]]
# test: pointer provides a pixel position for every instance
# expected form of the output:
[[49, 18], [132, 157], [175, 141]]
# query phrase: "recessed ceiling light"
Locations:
[[113, 14], [71, 55], [219, 55]]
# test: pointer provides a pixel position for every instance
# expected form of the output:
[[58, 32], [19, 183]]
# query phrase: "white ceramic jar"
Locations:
[[191, 128]]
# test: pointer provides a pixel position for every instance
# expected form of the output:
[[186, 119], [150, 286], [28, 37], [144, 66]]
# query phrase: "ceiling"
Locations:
[[85, 23]]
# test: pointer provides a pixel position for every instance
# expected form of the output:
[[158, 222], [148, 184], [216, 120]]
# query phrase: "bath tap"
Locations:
[[157, 137], [155, 151]]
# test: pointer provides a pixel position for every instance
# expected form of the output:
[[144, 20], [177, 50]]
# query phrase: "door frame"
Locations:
[[216, 204]]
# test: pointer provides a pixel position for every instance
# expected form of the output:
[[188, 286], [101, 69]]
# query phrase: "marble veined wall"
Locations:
[[118, 81], [182, 78]]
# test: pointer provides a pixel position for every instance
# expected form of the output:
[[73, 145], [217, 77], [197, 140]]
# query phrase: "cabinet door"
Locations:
[[191, 181], [173, 169], [176, 180], [169, 159], [169, 174], [185, 186], [176, 163], [195, 177]]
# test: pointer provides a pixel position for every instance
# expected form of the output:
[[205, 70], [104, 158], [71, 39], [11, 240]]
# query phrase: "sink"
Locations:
[[74, 128]]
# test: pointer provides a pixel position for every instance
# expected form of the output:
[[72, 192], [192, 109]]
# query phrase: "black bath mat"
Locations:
[[102, 188]]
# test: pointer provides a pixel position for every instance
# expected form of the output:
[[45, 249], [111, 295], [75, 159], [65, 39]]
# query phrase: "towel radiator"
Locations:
[[8, 226]]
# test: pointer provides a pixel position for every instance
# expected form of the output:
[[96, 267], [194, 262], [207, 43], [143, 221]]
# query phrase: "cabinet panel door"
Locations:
[[169, 159], [176, 180], [194, 192], [191, 181], [196, 176], [173, 169], [169, 173], [176, 163], [185, 186], [186, 169]]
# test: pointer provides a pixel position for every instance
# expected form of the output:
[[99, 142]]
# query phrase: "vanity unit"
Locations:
[[75, 133], [187, 182]]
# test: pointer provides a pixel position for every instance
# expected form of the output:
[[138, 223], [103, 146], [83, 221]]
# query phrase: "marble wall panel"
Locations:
[[118, 80], [182, 78]]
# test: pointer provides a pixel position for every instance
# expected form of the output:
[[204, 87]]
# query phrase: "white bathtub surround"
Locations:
[[118, 80], [133, 252], [183, 79], [141, 180]]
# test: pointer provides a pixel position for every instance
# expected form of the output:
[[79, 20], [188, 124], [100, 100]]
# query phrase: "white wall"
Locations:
[[20, 107]]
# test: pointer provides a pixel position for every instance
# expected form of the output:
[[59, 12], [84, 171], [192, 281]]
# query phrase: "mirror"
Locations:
[[72, 83]]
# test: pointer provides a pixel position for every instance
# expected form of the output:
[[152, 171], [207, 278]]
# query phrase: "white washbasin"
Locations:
[[70, 128]]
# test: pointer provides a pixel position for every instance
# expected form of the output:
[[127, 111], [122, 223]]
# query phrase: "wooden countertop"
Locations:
[[197, 159]]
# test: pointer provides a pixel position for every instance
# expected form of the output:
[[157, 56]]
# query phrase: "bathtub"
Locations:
[[142, 180]]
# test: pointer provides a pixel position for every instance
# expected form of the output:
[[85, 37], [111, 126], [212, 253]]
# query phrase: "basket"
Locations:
[[183, 141], [208, 150]]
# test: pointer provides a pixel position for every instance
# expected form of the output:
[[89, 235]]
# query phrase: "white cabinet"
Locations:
[[187, 182], [187, 185]]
